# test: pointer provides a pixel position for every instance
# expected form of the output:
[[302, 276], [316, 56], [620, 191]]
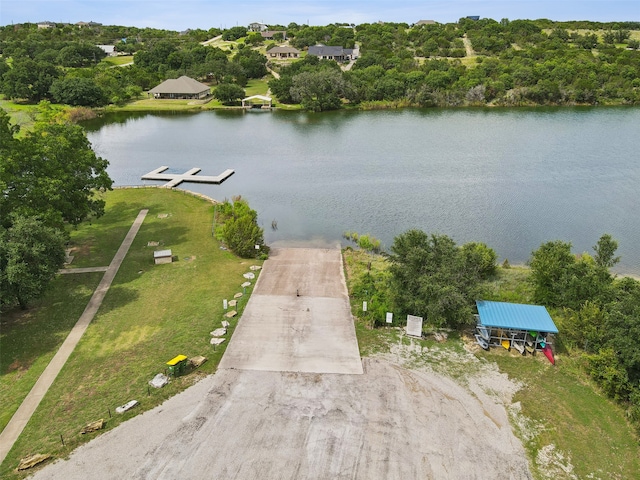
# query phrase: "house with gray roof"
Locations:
[[181, 88], [325, 52]]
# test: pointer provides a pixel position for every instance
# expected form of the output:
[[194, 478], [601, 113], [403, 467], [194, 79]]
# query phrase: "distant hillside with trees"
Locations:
[[466, 63]]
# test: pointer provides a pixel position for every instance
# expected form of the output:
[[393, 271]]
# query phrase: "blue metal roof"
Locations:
[[515, 315]]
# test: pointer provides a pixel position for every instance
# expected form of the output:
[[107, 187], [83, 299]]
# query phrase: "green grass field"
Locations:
[[257, 86], [119, 60], [23, 114], [151, 314], [589, 434]]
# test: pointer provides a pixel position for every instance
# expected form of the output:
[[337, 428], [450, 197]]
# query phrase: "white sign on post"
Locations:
[[364, 306], [225, 304], [414, 326], [389, 317]]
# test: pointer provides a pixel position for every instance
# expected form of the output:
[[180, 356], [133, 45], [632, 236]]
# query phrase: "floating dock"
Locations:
[[175, 179]]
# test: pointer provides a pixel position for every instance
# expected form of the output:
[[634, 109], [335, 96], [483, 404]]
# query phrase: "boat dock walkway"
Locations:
[[175, 179]]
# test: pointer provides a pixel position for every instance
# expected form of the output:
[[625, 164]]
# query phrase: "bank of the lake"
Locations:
[[512, 178]]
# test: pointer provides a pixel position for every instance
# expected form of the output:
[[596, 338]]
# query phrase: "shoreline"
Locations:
[[364, 107]]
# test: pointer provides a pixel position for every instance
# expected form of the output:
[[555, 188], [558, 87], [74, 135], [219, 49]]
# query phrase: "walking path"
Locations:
[[19, 420], [468, 47]]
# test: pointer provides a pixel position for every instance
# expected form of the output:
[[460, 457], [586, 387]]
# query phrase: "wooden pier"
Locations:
[[175, 179]]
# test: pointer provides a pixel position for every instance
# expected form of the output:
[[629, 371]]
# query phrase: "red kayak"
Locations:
[[549, 354]]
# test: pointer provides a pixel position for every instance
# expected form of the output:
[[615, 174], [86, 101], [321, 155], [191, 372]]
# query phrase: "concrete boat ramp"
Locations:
[[175, 179], [291, 400]]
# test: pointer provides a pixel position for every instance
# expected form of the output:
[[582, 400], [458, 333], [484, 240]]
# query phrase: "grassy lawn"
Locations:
[[152, 104], [31, 338], [589, 430], [258, 86], [23, 114], [151, 314], [119, 60], [224, 44], [560, 406]]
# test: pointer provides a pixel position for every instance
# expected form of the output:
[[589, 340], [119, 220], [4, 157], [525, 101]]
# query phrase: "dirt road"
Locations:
[[388, 423]]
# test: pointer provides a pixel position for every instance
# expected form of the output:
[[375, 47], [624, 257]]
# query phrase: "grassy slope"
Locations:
[[563, 407], [150, 314], [590, 430]]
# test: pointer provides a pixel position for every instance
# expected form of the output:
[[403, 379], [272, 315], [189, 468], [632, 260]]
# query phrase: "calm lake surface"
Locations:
[[511, 178]]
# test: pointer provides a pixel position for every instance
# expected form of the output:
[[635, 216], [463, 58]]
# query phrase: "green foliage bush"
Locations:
[[237, 227], [366, 242], [433, 278]]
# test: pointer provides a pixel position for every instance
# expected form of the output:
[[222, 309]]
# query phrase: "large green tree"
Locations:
[[431, 277], [319, 90], [560, 279], [228, 92], [29, 79], [605, 251], [549, 270], [253, 63], [78, 91], [53, 173], [47, 179], [31, 253]]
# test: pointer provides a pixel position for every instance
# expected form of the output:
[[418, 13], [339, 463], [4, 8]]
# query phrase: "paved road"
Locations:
[[19, 420]]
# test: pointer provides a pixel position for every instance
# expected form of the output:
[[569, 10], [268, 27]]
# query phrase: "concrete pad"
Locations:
[[388, 424], [298, 318]]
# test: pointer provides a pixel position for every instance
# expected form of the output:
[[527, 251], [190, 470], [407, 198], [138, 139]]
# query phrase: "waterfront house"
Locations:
[[181, 88]]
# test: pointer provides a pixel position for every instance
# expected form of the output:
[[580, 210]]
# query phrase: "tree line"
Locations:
[[516, 63], [519, 62]]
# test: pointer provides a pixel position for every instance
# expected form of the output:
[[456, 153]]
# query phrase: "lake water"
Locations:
[[512, 178]]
